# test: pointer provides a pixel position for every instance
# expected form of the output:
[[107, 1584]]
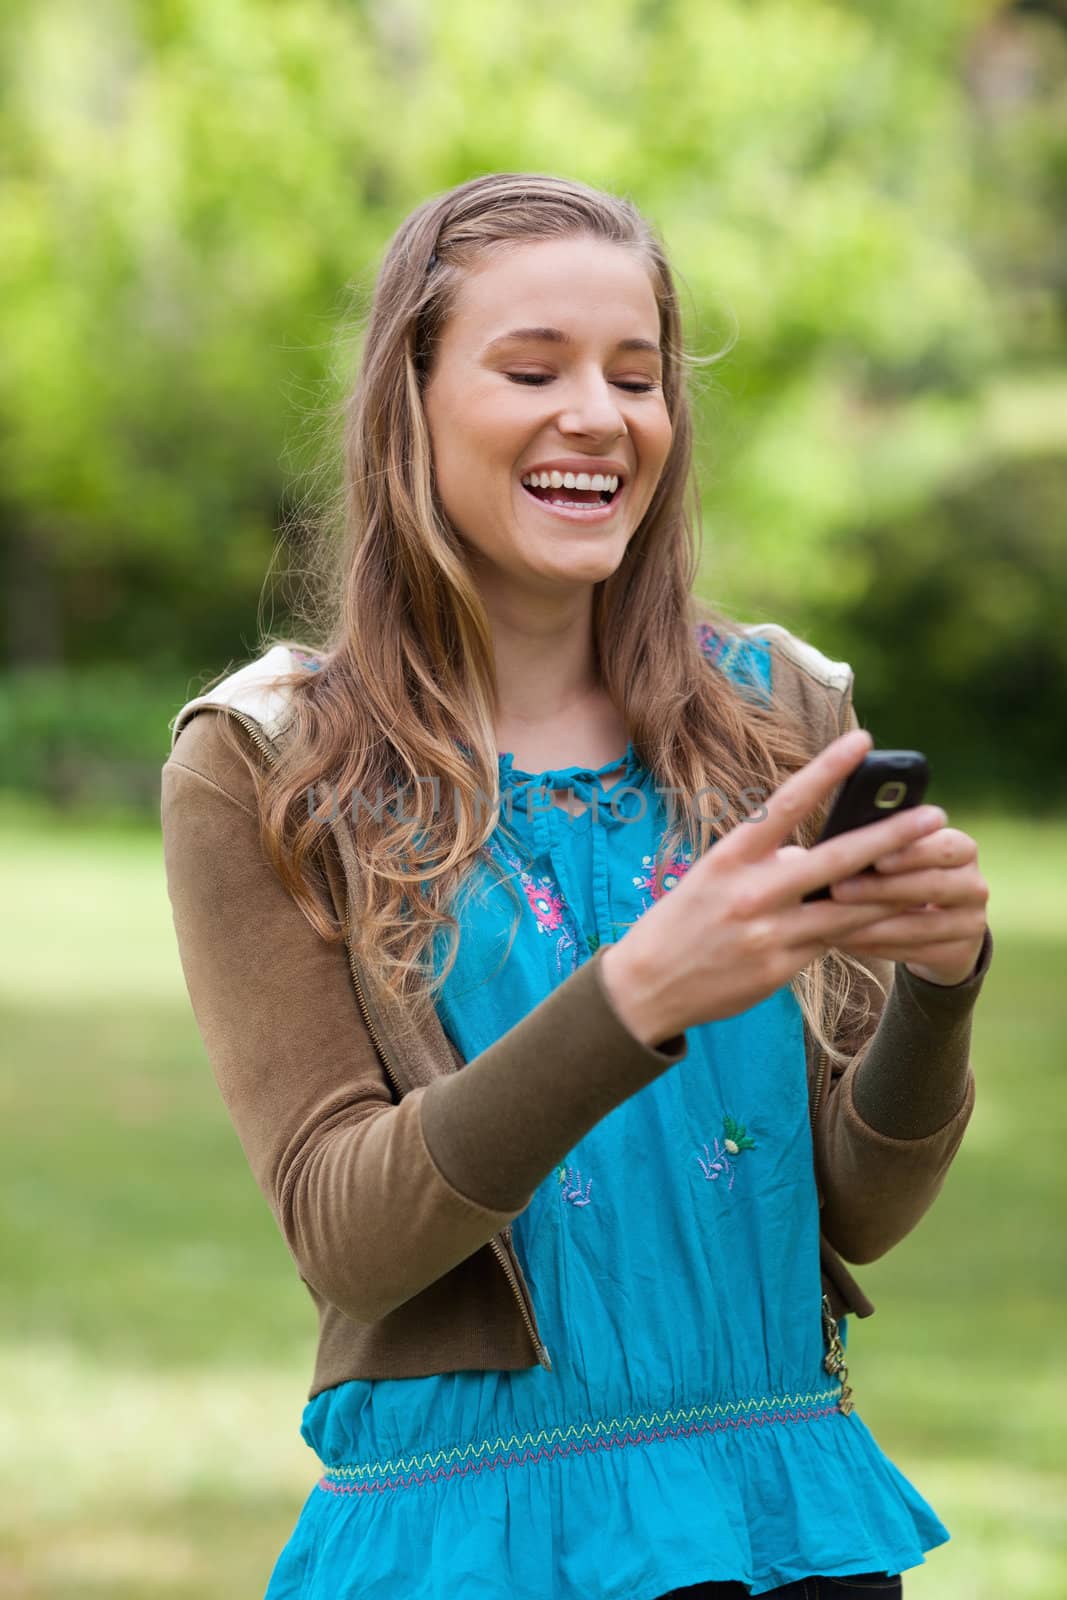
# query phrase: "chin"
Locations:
[[585, 572]]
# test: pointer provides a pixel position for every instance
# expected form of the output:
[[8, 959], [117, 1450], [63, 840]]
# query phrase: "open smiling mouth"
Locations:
[[582, 504]]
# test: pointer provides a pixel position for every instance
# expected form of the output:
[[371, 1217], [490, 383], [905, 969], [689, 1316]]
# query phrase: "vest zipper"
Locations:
[[261, 742], [498, 1249], [816, 1093], [834, 1360], [813, 1109], [255, 733]]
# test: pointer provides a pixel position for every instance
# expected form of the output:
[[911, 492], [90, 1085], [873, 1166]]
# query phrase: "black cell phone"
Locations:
[[884, 782]]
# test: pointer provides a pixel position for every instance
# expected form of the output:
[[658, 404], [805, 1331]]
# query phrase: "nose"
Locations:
[[591, 409]]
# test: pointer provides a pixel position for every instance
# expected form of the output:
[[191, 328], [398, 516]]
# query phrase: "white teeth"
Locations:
[[599, 482]]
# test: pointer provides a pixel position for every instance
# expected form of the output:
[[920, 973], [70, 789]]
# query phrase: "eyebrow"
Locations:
[[557, 336]]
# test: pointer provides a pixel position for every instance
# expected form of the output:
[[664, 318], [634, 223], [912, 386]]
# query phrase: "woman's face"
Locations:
[[549, 364]]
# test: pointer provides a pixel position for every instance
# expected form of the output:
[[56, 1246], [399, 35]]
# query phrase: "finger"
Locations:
[[796, 798], [851, 852], [944, 885], [945, 951], [911, 929], [791, 850], [826, 923], [947, 848], [866, 947]]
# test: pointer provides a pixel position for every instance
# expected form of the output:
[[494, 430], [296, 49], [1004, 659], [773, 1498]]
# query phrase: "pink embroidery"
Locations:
[[550, 909], [546, 905], [709, 641], [659, 883]]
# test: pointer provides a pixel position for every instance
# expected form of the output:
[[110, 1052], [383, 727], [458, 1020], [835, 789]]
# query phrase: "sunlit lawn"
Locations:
[[156, 1344]]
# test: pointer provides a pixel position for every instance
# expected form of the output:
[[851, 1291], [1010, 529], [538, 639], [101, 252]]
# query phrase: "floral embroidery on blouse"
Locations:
[[743, 660], [709, 641], [735, 1139], [571, 1187], [552, 914], [670, 873]]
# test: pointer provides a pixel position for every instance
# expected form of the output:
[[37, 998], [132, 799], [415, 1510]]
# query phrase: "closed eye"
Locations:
[[538, 378]]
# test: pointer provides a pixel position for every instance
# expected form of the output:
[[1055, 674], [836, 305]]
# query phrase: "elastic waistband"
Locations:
[[408, 1472]]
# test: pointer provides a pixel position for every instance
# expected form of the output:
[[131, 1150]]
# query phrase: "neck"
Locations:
[[545, 662]]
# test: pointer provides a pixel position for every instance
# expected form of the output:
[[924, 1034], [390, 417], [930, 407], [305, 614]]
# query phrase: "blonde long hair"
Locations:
[[405, 682]]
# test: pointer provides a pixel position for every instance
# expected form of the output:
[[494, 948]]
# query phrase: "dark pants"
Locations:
[[869, 1583]]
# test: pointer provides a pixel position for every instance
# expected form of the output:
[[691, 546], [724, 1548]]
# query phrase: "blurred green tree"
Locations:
[[866, 204]]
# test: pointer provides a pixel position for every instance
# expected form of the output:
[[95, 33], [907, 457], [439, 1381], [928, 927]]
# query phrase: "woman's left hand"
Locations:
[[936, 907]]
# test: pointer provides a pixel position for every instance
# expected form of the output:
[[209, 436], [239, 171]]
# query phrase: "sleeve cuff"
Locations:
[[948, 997], [496, 1128], [912, 1078], [674, 1049]]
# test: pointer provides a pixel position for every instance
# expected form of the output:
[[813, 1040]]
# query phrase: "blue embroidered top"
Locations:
[[687, 1430]]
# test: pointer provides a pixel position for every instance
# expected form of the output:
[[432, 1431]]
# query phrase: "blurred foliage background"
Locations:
[[867, 202], [867, 206]]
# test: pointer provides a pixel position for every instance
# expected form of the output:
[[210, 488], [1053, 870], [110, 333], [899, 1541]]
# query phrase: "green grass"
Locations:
[[156, 1344]]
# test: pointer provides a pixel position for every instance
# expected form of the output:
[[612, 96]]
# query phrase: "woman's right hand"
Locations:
[[735, 928]]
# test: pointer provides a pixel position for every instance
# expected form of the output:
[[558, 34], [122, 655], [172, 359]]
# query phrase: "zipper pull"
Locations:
[[834, 1360]]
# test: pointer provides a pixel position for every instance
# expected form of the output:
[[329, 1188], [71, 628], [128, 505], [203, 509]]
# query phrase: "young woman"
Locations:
[[490, 905]]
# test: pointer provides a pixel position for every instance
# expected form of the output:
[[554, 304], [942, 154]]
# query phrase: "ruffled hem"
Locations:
[[624, 1518]]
